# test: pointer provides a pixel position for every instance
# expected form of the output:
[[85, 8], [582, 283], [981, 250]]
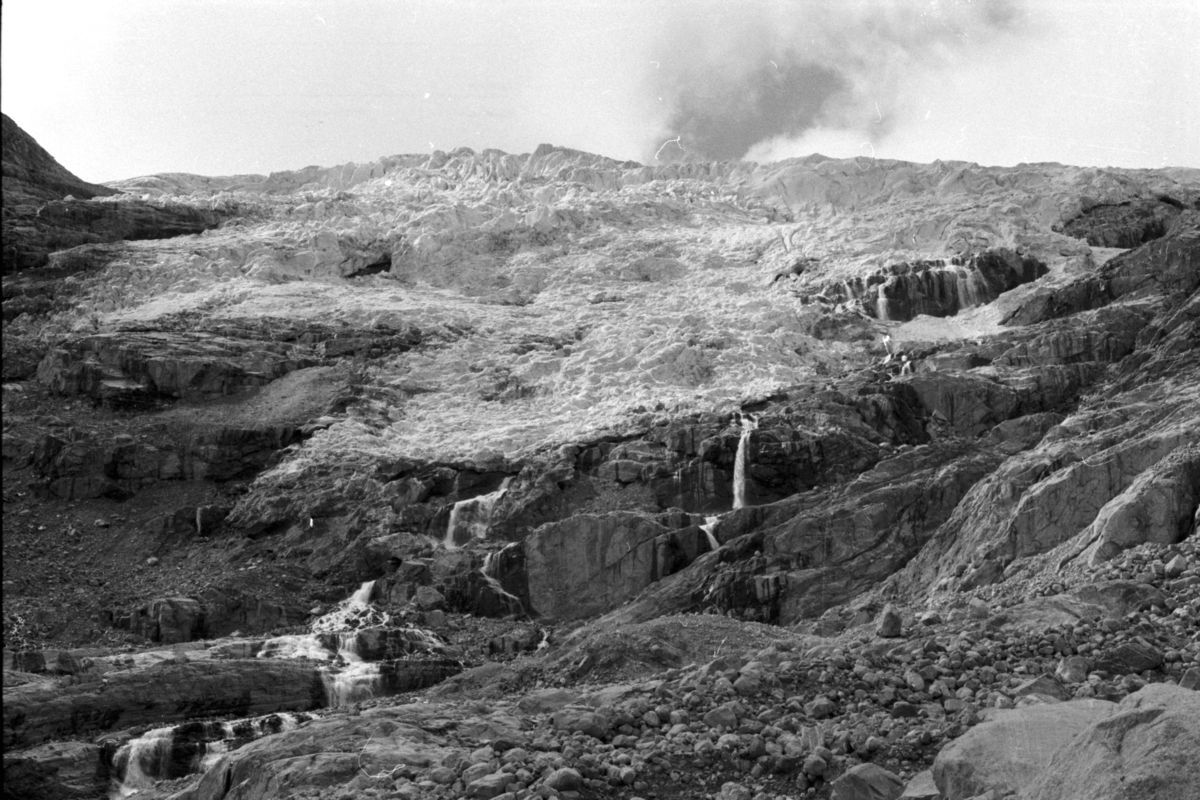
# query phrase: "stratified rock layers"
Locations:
[[168, 692]]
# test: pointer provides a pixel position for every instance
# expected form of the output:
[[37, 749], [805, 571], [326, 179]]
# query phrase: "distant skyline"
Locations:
[[126, 88]]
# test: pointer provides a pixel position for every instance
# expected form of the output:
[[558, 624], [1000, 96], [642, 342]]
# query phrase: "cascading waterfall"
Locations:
[[470, 519], [489, 569], [710, 524], [739, 464], [187, 749], [142, 761], [362, 595], [347, 678], [352, 679], [881, 303]]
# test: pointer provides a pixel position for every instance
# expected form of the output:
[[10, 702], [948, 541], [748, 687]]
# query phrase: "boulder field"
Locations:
[[481, 475]]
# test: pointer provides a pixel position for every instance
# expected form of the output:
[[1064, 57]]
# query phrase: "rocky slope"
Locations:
[[477, 474]]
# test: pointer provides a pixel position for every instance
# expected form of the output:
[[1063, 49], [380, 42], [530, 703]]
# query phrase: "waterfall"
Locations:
[[143, 760], [710, 523], [356, 681], [739, 464], [881, 303], [347, 678], [470, 519], [491, 563], [362, 596], [338, 638], [353, 613], [187, 749]]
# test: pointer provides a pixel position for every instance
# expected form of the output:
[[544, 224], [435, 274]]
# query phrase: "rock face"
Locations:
[[47, 209], [55, 771], [330, 748], [166, 364], [56, 225], [33, 713], [1007, 752], [937, 289], [1145, 749], [1127, 224], [589, 564]]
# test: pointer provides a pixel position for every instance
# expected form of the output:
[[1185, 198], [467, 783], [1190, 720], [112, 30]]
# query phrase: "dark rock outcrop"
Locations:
[[936, 288], [55, 771], [129, 367], [32, 175], [47, 209], [31, 236], [1125, 225], [589, 564], [35, 713]]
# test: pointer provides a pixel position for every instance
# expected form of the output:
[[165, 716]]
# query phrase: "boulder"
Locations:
[[1121, 597], [867, 782], [490, 785], [889, 623], [1145, 750], [1073, 669], [820, 707], [1045, 685], [1007, 751], [428, 598], [921, 787], [578, 720], [1130, 657], [564, 779], [543, 701], [1041, 613], [721, 717]]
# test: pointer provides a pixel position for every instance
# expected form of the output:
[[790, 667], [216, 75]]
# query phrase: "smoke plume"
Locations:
[[738, 79]]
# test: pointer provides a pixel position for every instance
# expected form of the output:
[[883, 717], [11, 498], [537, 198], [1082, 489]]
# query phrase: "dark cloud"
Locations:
[[731, 78], [722, 122]]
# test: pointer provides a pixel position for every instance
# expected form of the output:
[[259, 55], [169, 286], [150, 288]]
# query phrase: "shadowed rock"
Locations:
[[163, 693]]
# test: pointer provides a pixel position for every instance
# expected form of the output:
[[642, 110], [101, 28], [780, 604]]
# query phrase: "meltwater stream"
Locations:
[[177, 751], [470, 519], [359, 644], [740, 463], [709, 528], [490, 570]]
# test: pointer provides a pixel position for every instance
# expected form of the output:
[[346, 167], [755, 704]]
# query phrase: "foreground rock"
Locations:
[[1006, 752], [333, 751], [1145, 750]]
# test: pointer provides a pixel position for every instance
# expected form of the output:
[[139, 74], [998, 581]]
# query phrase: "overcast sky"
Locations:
[[121, 88]]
